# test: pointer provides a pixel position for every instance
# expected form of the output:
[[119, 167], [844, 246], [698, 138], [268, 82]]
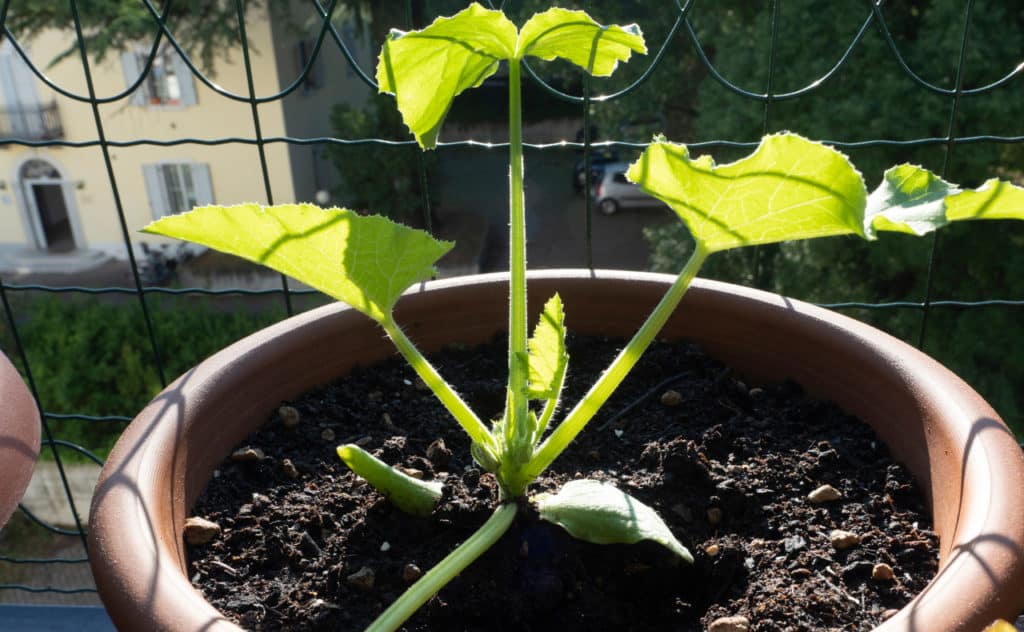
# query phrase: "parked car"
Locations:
[[613, 191], [597, 164]]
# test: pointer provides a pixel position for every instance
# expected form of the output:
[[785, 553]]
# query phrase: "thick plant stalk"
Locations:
[[518, 431], [446, 570]]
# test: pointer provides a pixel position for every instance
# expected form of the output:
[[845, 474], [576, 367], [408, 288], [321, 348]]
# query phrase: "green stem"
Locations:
[[475, 428], [517, 266], [446, 570], [584, 411]]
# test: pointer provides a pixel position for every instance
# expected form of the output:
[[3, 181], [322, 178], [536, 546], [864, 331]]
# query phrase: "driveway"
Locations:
[[476, 181]]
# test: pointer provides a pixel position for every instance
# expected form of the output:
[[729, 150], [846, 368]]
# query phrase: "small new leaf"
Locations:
[[365, 261], [789, 188], [576, 37], [600, 513], [910, 199], [426, 69], [409, 494], [548, 358]]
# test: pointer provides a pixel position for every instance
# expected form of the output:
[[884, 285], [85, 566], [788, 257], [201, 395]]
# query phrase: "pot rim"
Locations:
[[959, 450], [19, 437]]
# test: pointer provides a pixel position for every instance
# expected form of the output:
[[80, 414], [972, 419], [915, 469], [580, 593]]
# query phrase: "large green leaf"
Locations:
[[576, 37], [365, 261], [910, 199], [789, 188], [600, 513], [548, 358], [426, 69]]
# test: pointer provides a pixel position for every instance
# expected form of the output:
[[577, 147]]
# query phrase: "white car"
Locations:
[[613, 191]]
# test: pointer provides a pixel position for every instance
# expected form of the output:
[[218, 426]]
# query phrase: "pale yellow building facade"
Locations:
[[58, 198]]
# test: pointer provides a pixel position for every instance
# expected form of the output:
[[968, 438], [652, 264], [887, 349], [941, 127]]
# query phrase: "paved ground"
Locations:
[[556, 217]]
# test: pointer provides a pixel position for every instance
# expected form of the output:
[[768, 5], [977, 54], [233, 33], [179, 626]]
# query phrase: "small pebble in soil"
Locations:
[[842, 540], [671, 398], [794, 543], [385, 547], [756, 392], [289, 469], [713, 550], [327, 434], [410, 573], [824, 494], [737, 623], [714, 516], [439, 454], [363, 579], [199, 531], [289, 415], [247, 455], [882, 572]]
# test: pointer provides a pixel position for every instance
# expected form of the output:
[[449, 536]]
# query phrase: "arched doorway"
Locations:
[[47, 206]]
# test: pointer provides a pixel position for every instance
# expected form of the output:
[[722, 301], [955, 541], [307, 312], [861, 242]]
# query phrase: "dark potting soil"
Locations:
[[306, 546]]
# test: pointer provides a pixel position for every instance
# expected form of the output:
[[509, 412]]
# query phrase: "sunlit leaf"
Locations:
[[913, 200], [426, 69], [576, 37], [600, 513], [365, 261], [996, 199], [548, 358], [910, 199], [789, 188]]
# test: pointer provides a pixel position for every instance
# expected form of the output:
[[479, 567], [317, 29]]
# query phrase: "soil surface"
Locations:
[[304, 545]]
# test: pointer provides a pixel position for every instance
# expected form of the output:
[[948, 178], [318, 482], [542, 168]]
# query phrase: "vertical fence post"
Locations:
[[949, 146], [257, 128], [760, 250]]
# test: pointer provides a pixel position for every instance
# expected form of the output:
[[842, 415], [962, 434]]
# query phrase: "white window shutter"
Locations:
[[201, 181], [155, 190], [131, 68], [186, 82]]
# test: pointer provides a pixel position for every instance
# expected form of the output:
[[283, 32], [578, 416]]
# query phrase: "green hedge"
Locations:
[[94, 356]]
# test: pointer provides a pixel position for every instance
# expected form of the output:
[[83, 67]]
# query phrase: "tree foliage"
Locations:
[[871, 97]]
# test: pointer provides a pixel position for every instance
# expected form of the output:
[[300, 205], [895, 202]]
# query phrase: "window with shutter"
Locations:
[[177, 187], [314, 78], [168, 80]]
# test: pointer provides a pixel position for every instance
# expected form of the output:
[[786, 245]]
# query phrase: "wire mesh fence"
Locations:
[[740, 58]]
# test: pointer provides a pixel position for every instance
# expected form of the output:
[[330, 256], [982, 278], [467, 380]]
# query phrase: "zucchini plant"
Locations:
[[788, 188]]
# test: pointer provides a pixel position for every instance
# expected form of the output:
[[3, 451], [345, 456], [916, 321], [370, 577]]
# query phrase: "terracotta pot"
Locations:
[[19, 438], [964, 458]]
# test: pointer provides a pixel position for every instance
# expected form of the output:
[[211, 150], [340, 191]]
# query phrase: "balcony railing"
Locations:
[[31, 122]]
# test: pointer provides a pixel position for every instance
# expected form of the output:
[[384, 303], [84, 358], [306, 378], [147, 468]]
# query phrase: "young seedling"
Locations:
[[789, 188]]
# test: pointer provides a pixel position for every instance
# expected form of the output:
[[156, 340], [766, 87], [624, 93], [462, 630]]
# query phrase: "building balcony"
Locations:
[[31, 122]]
